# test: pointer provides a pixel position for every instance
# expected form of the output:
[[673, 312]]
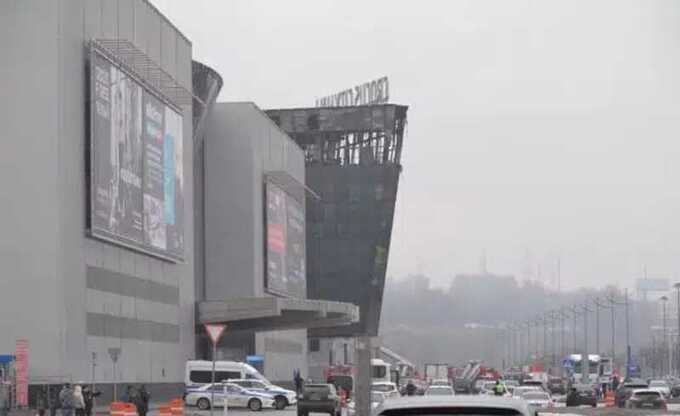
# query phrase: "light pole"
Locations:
[[677, 348], [664, 338]]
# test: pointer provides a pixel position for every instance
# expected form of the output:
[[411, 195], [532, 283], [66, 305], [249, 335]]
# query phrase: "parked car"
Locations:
[[661, 386], [538, 399], [582, 394], [236, 396], [387, 387], [199, 372], [439, 391], [282, 397], [646, 399], [453, 405], [322, 398], [556, 386]]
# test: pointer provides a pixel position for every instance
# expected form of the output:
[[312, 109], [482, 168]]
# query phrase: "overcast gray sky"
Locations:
[[537, 129]]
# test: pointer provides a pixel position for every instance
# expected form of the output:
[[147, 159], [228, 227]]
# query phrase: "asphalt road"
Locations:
[[192, 411]]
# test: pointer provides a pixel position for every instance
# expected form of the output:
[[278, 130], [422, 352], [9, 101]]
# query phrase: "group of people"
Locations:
[[75, 399]]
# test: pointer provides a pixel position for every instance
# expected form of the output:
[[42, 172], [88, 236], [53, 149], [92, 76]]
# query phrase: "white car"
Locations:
[[236, 396], [439, 391], [519, 391], [282, 397], [450, 405], [377, 398], [538, 399], [661, 386], [387, 387]]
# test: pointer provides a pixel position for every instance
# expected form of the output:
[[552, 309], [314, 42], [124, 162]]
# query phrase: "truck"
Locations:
[[575, 364], [437, 371], [606, 371]]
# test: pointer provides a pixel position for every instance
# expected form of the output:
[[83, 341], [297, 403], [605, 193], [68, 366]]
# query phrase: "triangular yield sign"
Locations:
[[215, 331]]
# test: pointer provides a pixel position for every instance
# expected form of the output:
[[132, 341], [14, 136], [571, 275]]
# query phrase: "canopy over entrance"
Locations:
[[274, 313]]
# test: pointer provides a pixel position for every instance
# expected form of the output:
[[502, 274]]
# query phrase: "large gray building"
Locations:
[[67, 292], [251, 165], [128, 225]]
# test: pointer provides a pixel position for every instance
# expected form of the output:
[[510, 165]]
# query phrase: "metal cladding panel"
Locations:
[[353, 163]]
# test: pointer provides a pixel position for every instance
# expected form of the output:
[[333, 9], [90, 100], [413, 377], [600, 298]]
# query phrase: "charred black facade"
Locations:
[[353, 164]]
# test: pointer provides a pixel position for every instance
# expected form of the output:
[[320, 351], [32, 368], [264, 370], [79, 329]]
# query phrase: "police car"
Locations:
[[236, 396], [282, 397]]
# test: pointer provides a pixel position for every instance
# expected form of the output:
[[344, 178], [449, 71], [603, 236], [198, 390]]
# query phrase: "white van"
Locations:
[[199, 373]]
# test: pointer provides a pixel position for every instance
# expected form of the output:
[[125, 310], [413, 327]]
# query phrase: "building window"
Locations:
[[345, 353], [314, 345]]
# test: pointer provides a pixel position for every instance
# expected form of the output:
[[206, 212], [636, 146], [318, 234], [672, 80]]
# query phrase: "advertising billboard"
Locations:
[[136, 170], [286, 260]]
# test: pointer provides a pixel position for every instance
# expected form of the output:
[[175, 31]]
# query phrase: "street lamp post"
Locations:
[[677, 348], [664, 338]]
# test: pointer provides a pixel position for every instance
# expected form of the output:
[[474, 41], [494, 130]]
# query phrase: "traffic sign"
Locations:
[[114, 353], [214, 331]]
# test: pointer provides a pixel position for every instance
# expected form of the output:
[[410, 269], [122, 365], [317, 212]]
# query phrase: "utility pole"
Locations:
[[528, 341], [612, 305], [545, 337], [585, 361], [563, 316], [574, 312], [597, 325], [677, 348], [664, 338], [628, 352], [554, 339]]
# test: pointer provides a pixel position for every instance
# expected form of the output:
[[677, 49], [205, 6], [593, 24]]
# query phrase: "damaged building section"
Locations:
[[352, 157]]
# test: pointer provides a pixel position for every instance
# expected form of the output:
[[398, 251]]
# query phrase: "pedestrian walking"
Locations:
[[298, 381], [67, 400], [141, 400], [79, 400], [88, 395]]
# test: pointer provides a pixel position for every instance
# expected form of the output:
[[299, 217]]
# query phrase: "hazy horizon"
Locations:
[[537, 130]]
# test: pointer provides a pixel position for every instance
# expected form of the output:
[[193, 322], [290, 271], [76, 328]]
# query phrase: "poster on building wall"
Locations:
[[296, 258], [136, 166], [22, 372], [285, 244]]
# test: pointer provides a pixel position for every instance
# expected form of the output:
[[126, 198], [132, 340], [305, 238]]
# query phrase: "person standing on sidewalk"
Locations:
[[88, 397], [142, 401], [67, 400], [79, 400], [297, 379]]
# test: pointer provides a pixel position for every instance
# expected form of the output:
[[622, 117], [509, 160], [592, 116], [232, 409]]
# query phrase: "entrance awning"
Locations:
[[274, 313]]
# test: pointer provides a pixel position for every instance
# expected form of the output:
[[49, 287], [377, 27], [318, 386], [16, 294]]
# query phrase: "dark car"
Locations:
[[624, 391], [646, 399], [556, 386], [581, 395], [322, 398]]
